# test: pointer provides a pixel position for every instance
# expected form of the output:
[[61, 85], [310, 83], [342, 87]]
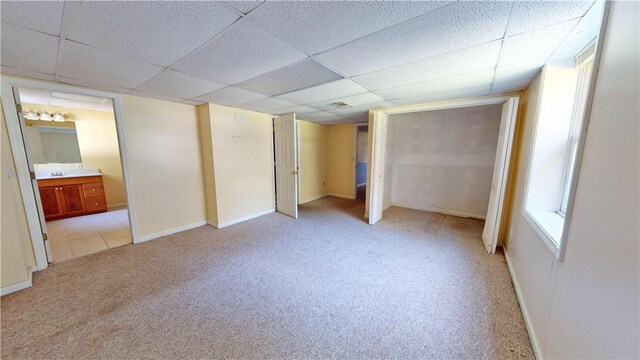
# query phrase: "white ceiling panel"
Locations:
[[26, 73], [157, 32], [455, 63], [92, 65], [157, 96], [501, 88], [300, 75], [534, 45], [522, 71], [318, 115], [354, 101], [241, 52], [315, 26], [481, 78], [231, 96], [294, 109], [338, 88], [447, 29], [244, 6], [26, 49], [44, 16], [587, 29], [179, 85], [532, 15], [93, 84], [266, 105], [361, 108], [447, 95]]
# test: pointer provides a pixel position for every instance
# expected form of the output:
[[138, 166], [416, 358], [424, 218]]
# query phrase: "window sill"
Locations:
[[548, 225]]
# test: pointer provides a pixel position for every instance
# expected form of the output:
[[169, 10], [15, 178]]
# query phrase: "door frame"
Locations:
[[355, 156], [378, 146], [14, 131]]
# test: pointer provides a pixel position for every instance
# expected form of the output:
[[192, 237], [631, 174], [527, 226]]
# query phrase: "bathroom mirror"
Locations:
[[52, 142]]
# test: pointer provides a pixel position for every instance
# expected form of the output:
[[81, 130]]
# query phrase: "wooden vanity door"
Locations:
[[73, 199], [51, 202]]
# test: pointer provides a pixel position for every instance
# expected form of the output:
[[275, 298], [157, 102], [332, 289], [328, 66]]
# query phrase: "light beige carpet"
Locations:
[[416, 285]]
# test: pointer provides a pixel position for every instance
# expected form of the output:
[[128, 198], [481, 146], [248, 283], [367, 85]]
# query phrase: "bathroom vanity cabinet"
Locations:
[[72, 196]]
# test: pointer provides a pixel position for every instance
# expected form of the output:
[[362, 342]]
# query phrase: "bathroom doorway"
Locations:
[[362, 143], [75, 193]]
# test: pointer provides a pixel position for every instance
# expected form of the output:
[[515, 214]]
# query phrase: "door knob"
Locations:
[[294, 172]]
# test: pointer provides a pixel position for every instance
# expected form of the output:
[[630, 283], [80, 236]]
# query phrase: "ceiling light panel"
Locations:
[[244, 7], [353, 101], [300, 22], [86, 63], [78, 97], [266, 105], [34, 96], [466, 81], [231, 96], [29, 14], [300, 75], [156, 32], [28, 50], [176, 84], [338, 88], [241, 52], [532, 15], [456, 63], [534, 45], [447, 95], [453, 27]]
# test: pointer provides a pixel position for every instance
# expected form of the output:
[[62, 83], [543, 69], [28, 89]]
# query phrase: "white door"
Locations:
[[500, 172], [286, 153], [377, 150], [34, 182]]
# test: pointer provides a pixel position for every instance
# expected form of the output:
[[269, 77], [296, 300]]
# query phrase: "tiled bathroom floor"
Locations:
[[84, 235]]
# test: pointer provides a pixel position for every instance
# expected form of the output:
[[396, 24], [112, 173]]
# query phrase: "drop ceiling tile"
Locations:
[[241, 52], [587, 29], [481, 78], [447, 95], [522, 71], [534, 45], [300, 75], [316, 115], [244, 7], [179, 85], [464, 61], [92, 65], [44, 16], [28, 50], [354, 101], [359, 109], [155, 96], [294, 109], [501, 88], [159, 32], [230, 96], [338, 88], [533, 15], [454, 27], [300, 23], [266, 105], [26, 73], [93, 84]]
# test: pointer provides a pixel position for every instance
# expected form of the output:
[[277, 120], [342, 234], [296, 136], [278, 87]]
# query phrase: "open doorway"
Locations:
[[72, 151], [362, 143]]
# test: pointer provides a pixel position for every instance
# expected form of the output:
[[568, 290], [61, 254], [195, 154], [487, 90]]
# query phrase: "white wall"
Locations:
[[163, 151], [442, 160], [588, 306]]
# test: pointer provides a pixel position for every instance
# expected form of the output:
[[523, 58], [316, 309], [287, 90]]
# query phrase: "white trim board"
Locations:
[[440, 211], [17, 287], [525, 314], [239, 220], [171, 231]]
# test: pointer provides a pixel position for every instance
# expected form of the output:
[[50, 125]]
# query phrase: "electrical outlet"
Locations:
[[323, 183]]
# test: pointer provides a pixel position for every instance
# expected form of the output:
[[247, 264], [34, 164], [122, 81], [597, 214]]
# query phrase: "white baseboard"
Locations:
[[171, 231], [313, 199], [525, 313], [341, 196], [17, 287], [440, 211], [239, 220]]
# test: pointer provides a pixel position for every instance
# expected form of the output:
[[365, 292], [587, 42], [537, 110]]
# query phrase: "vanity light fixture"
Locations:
[[45, 116], [59, 117], [31, 115]]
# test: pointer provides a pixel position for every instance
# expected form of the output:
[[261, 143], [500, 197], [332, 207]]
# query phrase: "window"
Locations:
[[562, 99]]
